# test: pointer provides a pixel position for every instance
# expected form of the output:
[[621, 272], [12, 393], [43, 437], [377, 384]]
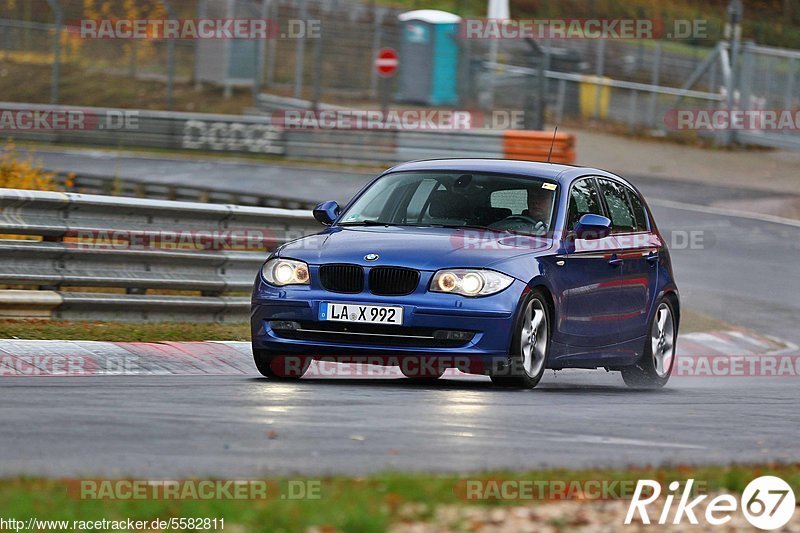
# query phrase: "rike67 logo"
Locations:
[[768, 503]]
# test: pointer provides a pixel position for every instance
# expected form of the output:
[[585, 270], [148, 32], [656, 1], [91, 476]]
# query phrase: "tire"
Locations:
[[658, 358], [281, 367], [530, 345]]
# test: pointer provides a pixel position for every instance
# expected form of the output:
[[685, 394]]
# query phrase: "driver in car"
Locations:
[[540, 205], [534, 220]]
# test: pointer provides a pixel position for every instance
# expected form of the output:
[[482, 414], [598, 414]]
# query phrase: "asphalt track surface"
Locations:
[[162, 426]]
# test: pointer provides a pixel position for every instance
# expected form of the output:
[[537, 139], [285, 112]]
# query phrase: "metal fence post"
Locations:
[[56, 75], [299, 59], [654, 80], [317, 94], [273, 17], [170, 58], [377, 31], [599, 69], [746, 76], [733, 31], [259, 73], [790, 74], [632, 111], [202, 13], [562, 93]]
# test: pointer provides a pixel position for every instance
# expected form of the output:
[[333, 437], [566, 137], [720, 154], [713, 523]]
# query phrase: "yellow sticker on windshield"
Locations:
[[549, 186]]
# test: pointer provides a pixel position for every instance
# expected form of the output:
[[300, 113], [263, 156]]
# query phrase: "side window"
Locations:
[[514, 199], [639, 212], [619, 209], [419, 199], [583, 199]]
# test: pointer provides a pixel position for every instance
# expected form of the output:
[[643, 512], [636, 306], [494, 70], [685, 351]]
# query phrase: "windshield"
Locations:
[[497, 202]]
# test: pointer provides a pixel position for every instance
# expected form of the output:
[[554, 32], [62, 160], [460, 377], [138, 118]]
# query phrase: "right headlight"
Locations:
[[469, 281], [282, 272]]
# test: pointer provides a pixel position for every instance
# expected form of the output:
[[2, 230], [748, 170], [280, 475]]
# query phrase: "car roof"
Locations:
[[563, 174]]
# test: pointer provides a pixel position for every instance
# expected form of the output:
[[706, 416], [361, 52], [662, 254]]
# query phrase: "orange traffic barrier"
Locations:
[[535, 146]]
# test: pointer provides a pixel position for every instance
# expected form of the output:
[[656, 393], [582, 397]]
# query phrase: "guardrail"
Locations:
[[117, 186], [166, 260], [259, 135]]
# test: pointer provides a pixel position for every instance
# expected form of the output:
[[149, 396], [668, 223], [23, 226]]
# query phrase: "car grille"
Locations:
[[342, 278], [393, 281]]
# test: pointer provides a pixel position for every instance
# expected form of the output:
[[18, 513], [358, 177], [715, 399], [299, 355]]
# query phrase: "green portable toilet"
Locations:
[[428, 57]]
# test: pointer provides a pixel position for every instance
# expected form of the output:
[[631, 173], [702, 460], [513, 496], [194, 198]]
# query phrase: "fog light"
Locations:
[[283, 325], [452, 335]]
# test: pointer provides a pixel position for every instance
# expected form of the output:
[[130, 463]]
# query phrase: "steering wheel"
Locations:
[[520, 221]]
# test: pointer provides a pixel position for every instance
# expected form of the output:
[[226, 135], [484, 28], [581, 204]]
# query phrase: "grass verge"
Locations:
[[123, 331], [373, 503]]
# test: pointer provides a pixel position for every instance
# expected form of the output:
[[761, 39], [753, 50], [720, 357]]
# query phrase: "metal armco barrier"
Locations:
[[114, 186], [121, 128], [96, 243]]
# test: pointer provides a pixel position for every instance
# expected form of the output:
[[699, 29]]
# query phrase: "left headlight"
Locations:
[[282, 272], [470, 282]]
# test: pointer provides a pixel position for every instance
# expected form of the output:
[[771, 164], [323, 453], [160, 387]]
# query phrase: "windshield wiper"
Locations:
[[474, 226], [370, 223], [424, 225]]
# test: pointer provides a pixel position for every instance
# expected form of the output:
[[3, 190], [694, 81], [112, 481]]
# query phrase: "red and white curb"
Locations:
[[705, 352]]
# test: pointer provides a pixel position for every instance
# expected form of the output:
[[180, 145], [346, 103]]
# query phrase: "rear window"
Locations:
[[639, 212], [514, 199], [619, 208]]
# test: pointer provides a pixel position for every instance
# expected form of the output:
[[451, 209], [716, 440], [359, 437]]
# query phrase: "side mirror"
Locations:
[[326, 212], [592, 227]]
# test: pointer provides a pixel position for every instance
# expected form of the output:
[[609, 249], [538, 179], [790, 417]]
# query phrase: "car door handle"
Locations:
[[615, 261], [652, 258]]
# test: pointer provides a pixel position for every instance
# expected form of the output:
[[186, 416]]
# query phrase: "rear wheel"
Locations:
[[530, 345], [281, 367], [655, 367]]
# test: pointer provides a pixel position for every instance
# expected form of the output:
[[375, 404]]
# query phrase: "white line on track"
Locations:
[[724, 212]]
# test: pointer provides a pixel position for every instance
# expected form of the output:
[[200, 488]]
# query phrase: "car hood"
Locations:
[[414, 247]]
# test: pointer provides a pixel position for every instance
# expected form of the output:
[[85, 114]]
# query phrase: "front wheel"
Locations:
[[530, 345], [281, 367], [655, 367]]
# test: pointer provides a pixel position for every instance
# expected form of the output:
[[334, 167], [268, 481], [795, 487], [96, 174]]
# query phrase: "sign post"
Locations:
[[386, 63]]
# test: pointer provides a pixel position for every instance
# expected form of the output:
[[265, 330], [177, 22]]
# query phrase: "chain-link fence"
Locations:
[[333, 61], [635, 83]]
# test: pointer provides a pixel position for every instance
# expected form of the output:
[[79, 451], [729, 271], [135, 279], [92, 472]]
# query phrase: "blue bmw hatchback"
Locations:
[[495, 267]]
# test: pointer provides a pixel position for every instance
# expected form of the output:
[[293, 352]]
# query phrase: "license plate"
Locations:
[[370, 314]]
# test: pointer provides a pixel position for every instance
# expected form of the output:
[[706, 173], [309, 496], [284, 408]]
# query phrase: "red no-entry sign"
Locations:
[[387, 62]]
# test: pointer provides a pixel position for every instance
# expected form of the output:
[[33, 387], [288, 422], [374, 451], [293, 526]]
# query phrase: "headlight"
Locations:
[[282, 272], [470, 282]]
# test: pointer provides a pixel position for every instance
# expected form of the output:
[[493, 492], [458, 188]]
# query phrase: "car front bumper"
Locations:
[[486, 321]]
